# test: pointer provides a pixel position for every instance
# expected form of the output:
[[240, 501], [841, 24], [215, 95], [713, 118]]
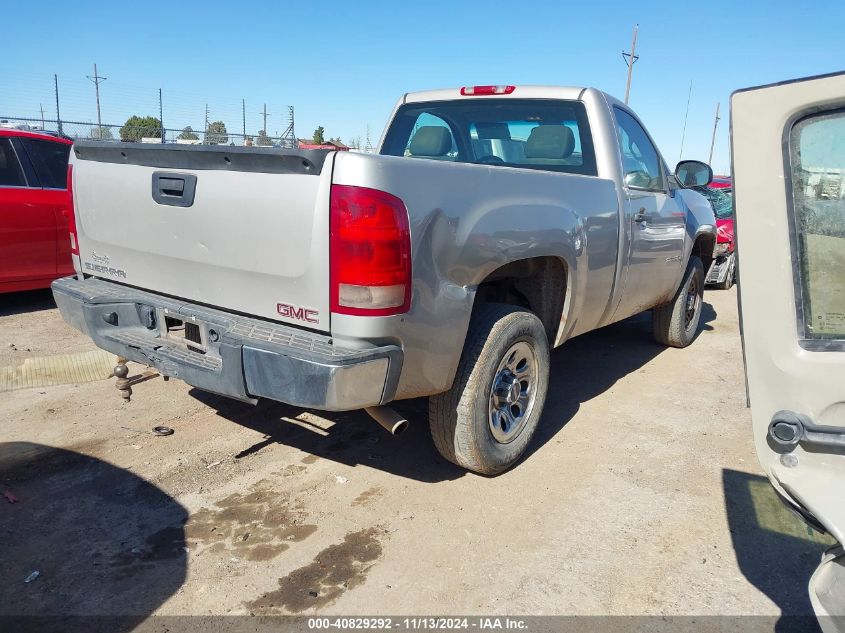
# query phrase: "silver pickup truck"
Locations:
[[495, 223]]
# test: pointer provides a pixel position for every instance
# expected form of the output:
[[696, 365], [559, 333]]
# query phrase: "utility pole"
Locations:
[[42, 116], [630, 58], [58, 114], [205, 130], [97, 81], [243, 113], [713, 141], [686, 114], [265, 119], [161, 115]]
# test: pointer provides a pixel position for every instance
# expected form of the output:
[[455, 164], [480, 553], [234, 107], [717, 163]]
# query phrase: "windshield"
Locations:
[[720, 199], [543, 134]]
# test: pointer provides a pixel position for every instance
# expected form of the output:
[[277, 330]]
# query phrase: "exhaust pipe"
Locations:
[[388, 419]]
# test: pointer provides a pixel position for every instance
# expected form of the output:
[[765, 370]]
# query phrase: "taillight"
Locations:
[[370, 252], [475, 91], [70, 213]]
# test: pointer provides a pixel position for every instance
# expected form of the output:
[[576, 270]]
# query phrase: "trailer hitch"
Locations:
[[125, 382]]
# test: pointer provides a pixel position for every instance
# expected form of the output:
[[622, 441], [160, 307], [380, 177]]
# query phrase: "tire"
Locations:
[[672, 323], [729, 278], [499, 339]]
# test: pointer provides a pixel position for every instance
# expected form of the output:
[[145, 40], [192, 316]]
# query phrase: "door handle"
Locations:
[[641, 216], [788, 429]]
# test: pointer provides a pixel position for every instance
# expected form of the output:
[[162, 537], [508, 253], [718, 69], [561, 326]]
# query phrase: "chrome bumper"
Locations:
[[240, 357]]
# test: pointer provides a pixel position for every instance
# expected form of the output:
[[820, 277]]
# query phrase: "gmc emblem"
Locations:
[[300, 314]]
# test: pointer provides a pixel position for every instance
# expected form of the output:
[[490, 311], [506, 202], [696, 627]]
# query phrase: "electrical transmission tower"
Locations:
[[289, 136], [368, 145], [97, 81]]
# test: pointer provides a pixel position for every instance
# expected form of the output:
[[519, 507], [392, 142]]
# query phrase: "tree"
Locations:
[[101, 133], [216, 133], [336, 141], [318, 136], [188, 134], [263, 139], [138, 127]]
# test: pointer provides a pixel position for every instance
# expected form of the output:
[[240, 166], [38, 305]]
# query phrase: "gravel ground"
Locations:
[[641, 494]]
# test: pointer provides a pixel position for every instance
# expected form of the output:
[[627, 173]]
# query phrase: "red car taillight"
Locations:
[[70, 213], [370, 252]]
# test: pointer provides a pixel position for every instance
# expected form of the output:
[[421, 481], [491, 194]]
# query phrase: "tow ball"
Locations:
[[124, 382]]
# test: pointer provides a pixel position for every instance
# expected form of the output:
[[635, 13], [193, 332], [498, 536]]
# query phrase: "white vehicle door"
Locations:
[[788, 145]]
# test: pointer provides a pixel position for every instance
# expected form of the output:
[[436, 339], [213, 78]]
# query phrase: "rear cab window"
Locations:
[[816, 163], [545, 134]]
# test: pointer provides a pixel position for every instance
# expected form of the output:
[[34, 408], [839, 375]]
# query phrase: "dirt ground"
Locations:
[[641, 494]]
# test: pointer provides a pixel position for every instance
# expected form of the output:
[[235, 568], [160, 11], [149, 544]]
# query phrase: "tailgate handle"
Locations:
[[788, 429], [176, 190]]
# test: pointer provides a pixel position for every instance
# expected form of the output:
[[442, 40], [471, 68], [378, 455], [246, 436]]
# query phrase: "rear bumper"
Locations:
[[241, 357], [722, 266]]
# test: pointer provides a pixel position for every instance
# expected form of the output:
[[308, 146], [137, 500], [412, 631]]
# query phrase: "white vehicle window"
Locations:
[[817, 162], [640, 161]]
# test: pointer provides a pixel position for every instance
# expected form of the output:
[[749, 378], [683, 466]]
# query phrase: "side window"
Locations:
[[817, 163], [431, 138], [11, 174], [640, 161], [50, 160]]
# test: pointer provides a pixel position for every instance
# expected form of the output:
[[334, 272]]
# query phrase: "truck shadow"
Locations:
[[84, 538], [350, 437], [775, 551], [24, 302], [592, 363], [581, 369]]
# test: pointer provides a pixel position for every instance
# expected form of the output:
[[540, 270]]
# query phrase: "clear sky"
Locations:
[[344, 64]]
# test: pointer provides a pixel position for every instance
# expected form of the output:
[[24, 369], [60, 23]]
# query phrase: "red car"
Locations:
[[722, 273], [34, 244]]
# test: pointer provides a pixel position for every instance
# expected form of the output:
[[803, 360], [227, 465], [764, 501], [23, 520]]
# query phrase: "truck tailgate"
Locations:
[[244, 229]]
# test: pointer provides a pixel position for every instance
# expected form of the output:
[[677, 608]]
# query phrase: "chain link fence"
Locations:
[[145, 133]]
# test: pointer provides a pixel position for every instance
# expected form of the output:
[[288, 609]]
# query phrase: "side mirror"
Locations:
[[693, 173]]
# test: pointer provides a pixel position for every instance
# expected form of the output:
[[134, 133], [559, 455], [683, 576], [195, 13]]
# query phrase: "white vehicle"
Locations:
[[791, 245]]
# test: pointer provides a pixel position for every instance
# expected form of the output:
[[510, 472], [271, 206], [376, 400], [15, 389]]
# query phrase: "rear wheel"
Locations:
[[676, 323], [486, 420]]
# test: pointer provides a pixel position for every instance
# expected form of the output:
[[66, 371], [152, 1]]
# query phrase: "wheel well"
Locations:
[[537, 284], [703, 249]]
